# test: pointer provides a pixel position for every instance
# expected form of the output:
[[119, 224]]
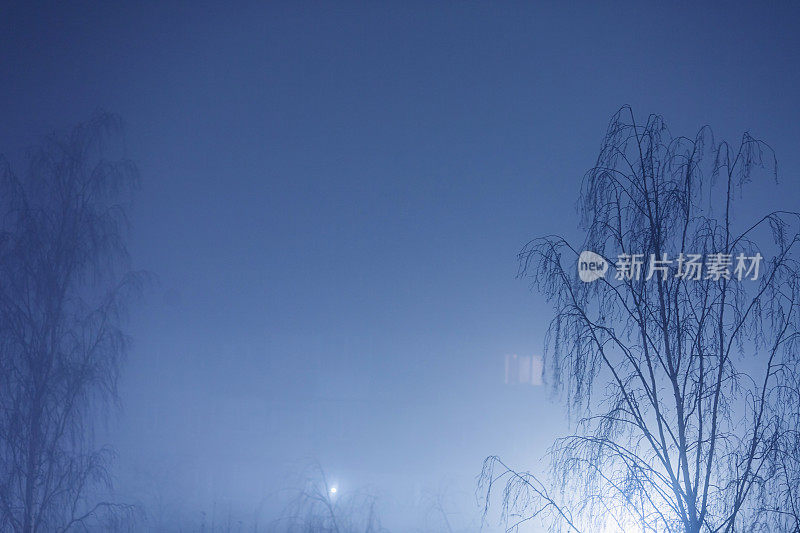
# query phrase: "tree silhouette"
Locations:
[[685, 387], [63, 288]]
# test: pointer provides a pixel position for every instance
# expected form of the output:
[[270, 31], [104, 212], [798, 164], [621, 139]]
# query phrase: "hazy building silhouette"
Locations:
[[523, 369]]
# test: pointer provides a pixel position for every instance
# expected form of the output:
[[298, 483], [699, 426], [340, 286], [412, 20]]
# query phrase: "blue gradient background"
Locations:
[[333, 197]]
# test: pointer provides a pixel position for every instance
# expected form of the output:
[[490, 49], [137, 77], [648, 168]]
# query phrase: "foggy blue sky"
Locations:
[[333, 197]]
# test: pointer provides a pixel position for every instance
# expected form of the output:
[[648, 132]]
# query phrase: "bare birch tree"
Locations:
[[63, 289], [685, 387]]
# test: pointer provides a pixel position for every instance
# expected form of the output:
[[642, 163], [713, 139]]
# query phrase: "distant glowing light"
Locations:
[[333, 490]]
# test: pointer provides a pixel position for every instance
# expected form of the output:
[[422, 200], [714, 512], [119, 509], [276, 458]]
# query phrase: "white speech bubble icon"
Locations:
[[591, 266]]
